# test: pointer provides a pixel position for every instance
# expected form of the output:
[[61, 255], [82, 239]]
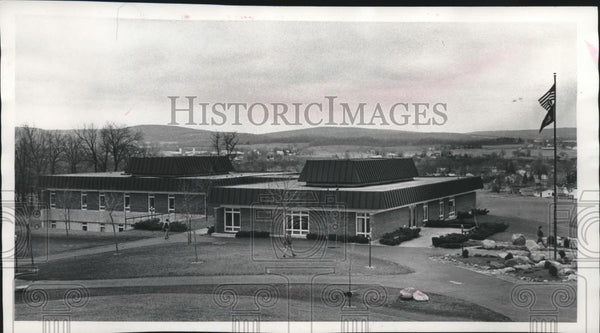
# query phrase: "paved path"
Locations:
[[181, 237]]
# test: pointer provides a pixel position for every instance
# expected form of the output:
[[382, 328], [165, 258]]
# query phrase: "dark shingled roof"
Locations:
[[376, 197], [178, 166], [357, 172]]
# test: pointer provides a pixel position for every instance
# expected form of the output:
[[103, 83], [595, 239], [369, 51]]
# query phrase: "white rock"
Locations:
[[522, 267], [420, 296], [540, 264], [407, 293], [506, 270], [531, 245], [572, 277], [537, 256], [518, 239], [488, 244]]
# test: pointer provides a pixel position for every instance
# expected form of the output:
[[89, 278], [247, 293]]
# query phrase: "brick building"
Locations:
[[176, 188], [354, 197]]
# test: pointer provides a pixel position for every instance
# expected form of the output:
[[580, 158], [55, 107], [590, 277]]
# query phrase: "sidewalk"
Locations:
[[181, 237]]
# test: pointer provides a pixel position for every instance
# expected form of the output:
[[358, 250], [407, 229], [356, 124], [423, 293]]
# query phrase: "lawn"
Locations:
[[274, 302], [57, 241], [219, 256], [522, 214]]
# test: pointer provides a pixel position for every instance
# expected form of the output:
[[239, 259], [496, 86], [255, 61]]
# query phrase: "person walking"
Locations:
[[287, 243], [166, 228], [540, 235]]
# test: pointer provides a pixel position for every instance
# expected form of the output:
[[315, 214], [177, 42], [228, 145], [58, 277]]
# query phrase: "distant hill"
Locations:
[[568, 133], [176, 136]]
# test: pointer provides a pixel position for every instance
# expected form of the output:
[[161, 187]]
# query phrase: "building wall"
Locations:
[[389, 221]]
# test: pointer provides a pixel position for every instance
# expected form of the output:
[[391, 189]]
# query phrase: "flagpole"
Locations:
[[555, 170]]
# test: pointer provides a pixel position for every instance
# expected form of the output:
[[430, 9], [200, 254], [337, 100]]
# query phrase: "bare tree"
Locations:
[[55, 143], [73, 152], [113, 202], [230, 141], [89, 139], [31, 159], [216, 141], [120, 142]]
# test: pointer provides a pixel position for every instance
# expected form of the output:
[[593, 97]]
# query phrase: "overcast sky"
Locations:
[[72, 71]]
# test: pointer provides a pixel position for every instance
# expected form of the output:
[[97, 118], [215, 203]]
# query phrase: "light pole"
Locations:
[[369, 238]]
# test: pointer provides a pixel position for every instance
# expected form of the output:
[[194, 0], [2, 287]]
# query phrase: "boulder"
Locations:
[[522, 260], [507, 270], [572, 277], [522, 267], [537, 256], [556, 264], [518, 239], [420, 296], [407, 293], [531, 245], [540, 264], [496, 265], [488, 244], [508, 256]]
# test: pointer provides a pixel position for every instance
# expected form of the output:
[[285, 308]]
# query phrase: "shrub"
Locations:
[[211, 230], [464, 215], [178, 227], [399, 235], [312, 236], [508, 256], [553, 270], [149, 224], [335, 237], [485, 230], [456, 240], [465, 253], [254, 234], [562, 254], [449, 224], [360, 239], [547, 264], [566, 242], [481, 211]]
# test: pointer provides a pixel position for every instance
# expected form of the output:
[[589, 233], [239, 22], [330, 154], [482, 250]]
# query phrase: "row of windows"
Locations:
[[451, 210], [296, 222], [126, 202], [84, 226]]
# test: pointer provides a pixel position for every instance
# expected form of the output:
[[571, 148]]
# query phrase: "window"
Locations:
[[121, 228], [297, 222], [52, 199], [83, 200], [53, 224], [233, 220], [425, 213], [127, 202], [441, 209], [102, 227], [151, 203], [363, 224], [171, 203], [102, 201], [84, 226], [451, 208]]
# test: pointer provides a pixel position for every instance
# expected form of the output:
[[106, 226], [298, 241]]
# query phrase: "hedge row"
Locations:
[[154, 224], [340, 238], [455, 240], [254, 234], [399, 235], [449, 224], [485, 230]]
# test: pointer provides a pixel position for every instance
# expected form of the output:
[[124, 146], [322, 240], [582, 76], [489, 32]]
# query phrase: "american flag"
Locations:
[[547, 102]]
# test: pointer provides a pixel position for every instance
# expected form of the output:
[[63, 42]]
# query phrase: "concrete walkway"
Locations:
[[181, 237]]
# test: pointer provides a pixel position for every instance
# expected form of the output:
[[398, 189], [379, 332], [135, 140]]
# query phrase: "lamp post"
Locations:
[[369, 238]]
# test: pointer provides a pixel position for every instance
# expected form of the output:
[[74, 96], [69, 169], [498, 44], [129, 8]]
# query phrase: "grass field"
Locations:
[[221, 256], [297, 302], [57, 241], [524, 214]]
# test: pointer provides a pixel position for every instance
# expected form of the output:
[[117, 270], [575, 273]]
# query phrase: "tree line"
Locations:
[[90, 148]]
